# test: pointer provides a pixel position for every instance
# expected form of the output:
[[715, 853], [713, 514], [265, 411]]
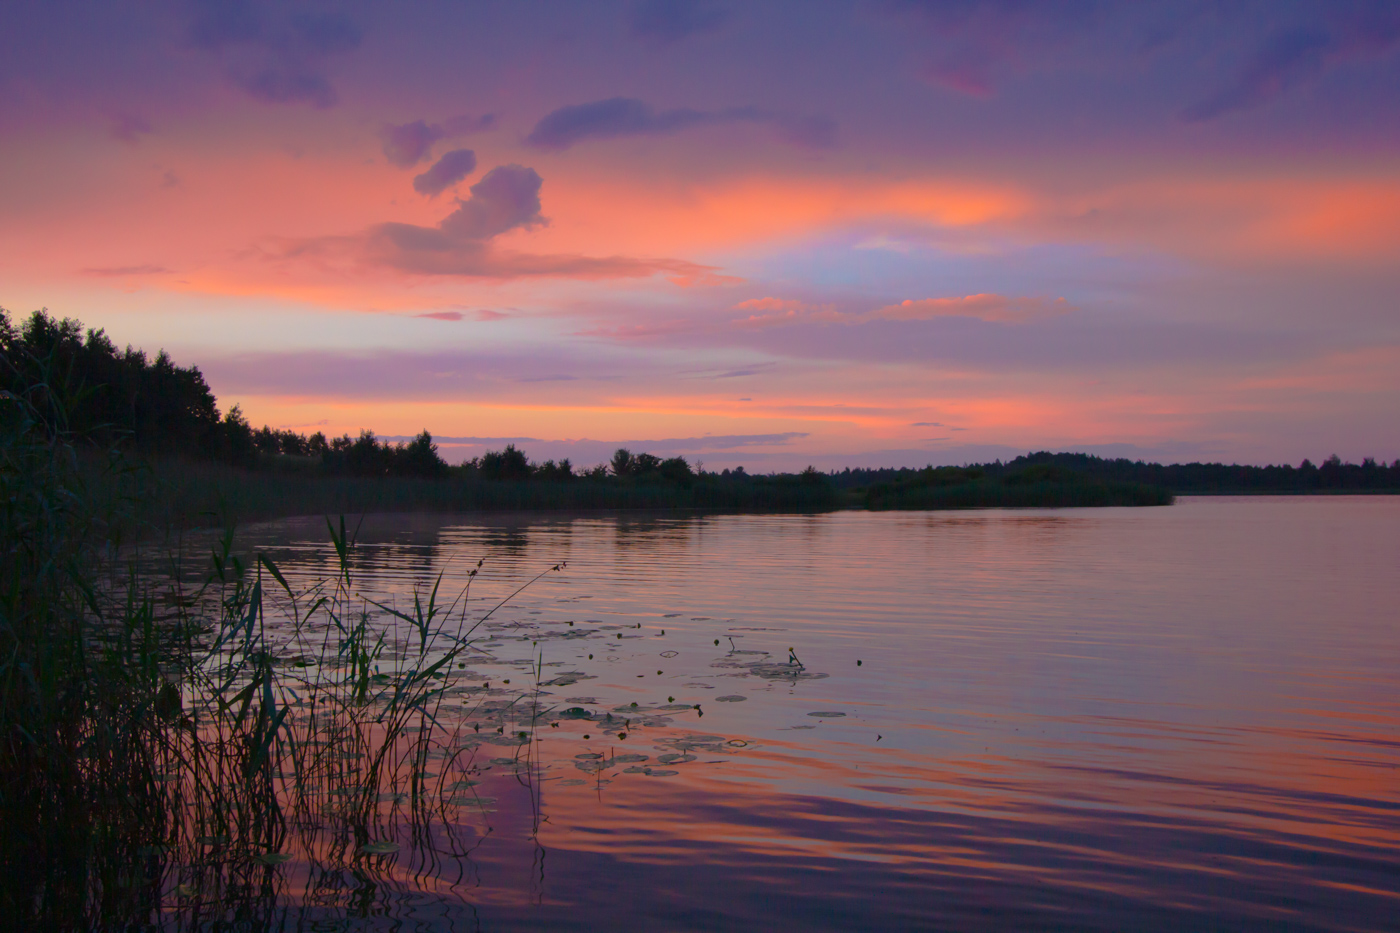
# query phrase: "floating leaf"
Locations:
[[276, 858], [383, 847], [827, 714], [661, 772], [675, 758], [626, 759], [732, 698]]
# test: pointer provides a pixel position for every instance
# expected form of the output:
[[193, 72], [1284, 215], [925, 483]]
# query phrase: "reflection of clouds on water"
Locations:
[[1096, 713]]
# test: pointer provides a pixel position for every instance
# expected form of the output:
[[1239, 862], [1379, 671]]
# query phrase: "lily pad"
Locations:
[[575, 712], [276, 858], [587, 756], [675, 758], [731, 698], [383, 847], [572, 782], [627, 759], [669, 654], [827, 714], [661, 772]]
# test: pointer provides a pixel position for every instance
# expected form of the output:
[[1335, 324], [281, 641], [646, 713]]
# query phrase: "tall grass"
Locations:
[[168, 740]]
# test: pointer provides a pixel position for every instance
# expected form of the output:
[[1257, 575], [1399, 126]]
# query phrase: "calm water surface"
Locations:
[[1100, 719]]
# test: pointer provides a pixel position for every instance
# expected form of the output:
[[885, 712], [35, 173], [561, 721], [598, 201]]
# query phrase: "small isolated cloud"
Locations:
[[108, 272], [129, 127], [507, 198], [617, 117], [441, 315], [446, 172], [669, 21], [925, 424], [1000, 309], [407, 144]]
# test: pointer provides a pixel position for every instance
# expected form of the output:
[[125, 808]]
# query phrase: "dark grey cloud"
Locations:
[[407, 144], [446, 172], [624, 116], [668, 21], [272, 57]]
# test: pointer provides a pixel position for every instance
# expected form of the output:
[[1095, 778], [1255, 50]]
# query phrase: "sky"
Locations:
[[871, 233]]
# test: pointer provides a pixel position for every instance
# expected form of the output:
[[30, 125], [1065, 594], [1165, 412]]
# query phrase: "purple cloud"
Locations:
[[507, 198], [1300, 55], [624, 116], [668, 21], [407, 144], [274, 61], [446, 172]]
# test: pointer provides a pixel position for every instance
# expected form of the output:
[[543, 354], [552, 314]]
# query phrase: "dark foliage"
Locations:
[[1030, 484], [1181, 478]]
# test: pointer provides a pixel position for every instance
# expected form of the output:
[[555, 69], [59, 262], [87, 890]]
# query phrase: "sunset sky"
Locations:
[[840, 233]]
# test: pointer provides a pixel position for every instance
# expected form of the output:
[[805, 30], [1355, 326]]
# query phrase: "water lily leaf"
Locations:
[[661, 772], [827, 714], [675, 758], [383, 847], [275, 858], [732, 698], [626, 759]]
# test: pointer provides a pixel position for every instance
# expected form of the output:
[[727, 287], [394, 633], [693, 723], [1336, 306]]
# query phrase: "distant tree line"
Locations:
[[124, 397], [1183, 478]]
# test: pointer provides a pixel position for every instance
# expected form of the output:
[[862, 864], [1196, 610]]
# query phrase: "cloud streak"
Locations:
[[619, 117], [998, 309]]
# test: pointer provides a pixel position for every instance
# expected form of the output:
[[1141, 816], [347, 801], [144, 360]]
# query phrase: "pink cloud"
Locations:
[[999, 309], [985, 307]]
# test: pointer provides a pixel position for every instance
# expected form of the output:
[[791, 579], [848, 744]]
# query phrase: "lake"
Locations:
[[1097, 719]]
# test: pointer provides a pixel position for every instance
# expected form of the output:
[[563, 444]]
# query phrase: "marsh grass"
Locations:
[[182, 741]]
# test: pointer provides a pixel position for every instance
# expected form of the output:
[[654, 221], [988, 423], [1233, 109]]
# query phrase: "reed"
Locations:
[[171, 733]]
